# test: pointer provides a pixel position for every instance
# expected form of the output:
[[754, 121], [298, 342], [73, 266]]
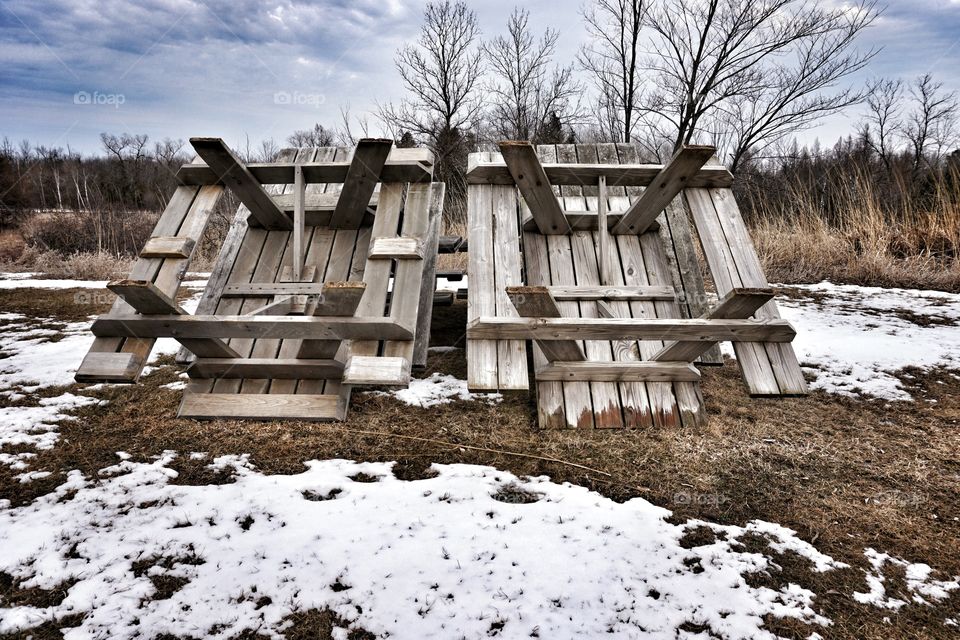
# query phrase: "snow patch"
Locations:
[[439, 389], [438, 557], [922, 588]]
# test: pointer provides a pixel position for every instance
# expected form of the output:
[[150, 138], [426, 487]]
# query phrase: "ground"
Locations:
[[835, 514]]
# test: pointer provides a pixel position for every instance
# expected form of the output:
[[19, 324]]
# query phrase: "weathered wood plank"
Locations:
[[619, 371], [495, 171], [511, 354], [396, 249], [611, 292], [578, 407], [494, 328], [394, 170], [672, 179], [524, 166], [168, 247], [261, 327], [481, 355], [101, 367], [428, 280], [262, 406], [377, 371], [269, 289], [359, 183], [231, 172], [287, 368]]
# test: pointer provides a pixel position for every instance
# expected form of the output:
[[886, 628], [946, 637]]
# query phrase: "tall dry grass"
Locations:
[[864, 240]]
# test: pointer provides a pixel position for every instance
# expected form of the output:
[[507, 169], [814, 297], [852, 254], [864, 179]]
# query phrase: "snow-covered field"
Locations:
[[471, 552]]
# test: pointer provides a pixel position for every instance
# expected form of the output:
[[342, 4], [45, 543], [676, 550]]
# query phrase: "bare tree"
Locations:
[[930, 122], [440, 73], [529, 98], [762, 68], [612, 60], [345, 132], [318, 136], [882, 121]]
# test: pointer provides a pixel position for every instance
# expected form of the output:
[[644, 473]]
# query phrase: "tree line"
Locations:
[[744, 75]]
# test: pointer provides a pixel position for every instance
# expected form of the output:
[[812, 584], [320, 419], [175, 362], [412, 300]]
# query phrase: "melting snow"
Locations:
[[921, 586], [439, 557], [853, 339], [439, 389]]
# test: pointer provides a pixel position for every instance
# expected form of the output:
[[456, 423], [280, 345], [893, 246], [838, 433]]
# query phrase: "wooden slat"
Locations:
[[100, 367], [674, 177], [269, 289], [396, 248], [494, 171], [261, 406], [494, 328], [144, 297], [408, 274], [512, 374], [603, 233], [299, 222], [738, 303], [359, 183], [398, 171], [232, 173], [317, 203], [481, 355], [428, 280], [577, 399], [579, 220], [619, 371], [374, 371], [168, 247], [256, 327], [287, 368], [536, 302], [524, 166], [608, 292]]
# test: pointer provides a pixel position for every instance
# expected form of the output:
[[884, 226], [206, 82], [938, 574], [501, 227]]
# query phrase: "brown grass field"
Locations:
[[846, 474]]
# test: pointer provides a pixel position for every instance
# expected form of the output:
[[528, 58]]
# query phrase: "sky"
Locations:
[[249, 70]]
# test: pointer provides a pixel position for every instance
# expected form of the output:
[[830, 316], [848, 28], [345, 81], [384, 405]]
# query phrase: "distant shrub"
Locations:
[[120, 234]]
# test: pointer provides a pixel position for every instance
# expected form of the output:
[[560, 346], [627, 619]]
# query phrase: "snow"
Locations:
[[922, 587], [439, 389], [29, 280], [853, 341], [438, 557]]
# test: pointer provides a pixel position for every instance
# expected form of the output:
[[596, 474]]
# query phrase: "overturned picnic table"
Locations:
[[590, 255], [324, 282]]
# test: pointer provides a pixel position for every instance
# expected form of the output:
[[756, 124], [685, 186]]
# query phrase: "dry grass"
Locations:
[[77, 266], [846, 474], [868, 244]]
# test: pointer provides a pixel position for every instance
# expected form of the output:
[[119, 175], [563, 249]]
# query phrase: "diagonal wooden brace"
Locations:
[[362, 177], [671, 180], [524, 165], [235, 175]]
